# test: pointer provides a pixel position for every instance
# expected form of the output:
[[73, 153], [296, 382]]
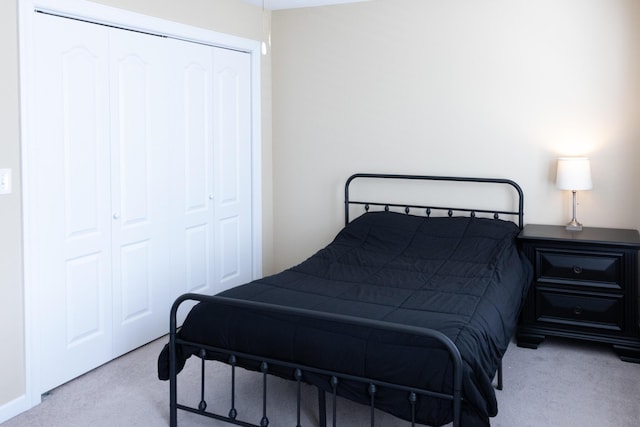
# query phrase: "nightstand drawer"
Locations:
[[593, 269], [583, 310]]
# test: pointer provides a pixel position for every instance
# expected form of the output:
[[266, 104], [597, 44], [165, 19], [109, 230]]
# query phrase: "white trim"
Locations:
[[256, 166], [14, 407], [27, 75], [93, 12], [107, 15], [295, 4]]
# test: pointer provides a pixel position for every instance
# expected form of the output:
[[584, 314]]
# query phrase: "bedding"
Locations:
[[462, 276]]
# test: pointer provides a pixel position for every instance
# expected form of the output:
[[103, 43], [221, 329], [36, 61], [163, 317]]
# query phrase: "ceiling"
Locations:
[[292, 4]]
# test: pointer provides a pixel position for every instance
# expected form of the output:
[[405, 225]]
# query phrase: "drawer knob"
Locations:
[[577, 269], [577, 310]]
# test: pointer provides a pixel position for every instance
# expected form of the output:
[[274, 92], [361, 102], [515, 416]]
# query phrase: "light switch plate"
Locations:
[[5, 181]]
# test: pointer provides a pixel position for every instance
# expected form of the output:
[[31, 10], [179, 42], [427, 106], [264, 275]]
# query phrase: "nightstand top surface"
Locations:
[[611, 236]]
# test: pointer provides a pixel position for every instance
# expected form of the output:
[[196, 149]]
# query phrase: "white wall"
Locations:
[[484, 88], [226, 16]]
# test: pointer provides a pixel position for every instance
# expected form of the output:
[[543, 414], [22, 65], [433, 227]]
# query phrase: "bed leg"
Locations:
[[500, 375], [297, 374], [173, 409], [372, 393], [203, 404], [334, 386], [173, 388], [412, 399], [173, 364], [264, 368], [322, 408], [232, 412]]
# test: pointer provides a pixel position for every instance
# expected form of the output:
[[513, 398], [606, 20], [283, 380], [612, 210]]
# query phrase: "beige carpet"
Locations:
[[562, 384]]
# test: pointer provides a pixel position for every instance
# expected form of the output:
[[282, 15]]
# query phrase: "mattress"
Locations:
[[462, 276]]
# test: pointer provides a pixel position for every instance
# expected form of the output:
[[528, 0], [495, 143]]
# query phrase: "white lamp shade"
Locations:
[[574, 173]]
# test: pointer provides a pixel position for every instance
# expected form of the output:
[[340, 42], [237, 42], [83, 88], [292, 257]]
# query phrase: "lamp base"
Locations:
[[574, 225]]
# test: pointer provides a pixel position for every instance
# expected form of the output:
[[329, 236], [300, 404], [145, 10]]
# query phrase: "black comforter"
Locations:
[[463, 276]]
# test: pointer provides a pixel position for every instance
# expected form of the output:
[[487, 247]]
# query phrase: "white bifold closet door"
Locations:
[[142, 281], [140, 174], [232, 134]]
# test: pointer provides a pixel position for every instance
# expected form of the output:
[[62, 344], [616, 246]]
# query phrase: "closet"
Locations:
[[140, 186]]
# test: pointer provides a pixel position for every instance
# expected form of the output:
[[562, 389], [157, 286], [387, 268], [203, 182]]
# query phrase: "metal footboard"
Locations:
[[298, 371]]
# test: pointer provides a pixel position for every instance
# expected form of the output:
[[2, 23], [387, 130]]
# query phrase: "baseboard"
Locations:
[[14, 407]]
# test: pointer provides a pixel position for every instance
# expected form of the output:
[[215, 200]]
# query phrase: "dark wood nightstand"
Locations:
[[585, 286]]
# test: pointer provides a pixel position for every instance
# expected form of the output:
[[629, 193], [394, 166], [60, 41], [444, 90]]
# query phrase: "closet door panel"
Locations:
[[140, 188], [135, 86], [192, 160], [84, 299], [69, 199], [232, 124]]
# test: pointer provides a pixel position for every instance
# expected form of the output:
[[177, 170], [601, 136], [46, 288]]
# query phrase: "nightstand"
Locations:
[[585, 286]]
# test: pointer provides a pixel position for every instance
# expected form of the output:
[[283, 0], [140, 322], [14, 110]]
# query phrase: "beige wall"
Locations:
[[226, 16], [11, 306], [487, 88]]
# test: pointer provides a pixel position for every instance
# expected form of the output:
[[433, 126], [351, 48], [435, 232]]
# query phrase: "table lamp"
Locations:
[[574, 173]]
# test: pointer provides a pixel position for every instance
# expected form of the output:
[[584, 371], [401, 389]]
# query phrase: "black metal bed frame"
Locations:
[[298, 371]]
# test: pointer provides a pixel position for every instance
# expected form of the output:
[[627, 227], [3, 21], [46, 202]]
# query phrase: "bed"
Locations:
[[406, 310]]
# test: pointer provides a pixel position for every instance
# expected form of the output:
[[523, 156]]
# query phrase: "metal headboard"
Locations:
[[428, 209]]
